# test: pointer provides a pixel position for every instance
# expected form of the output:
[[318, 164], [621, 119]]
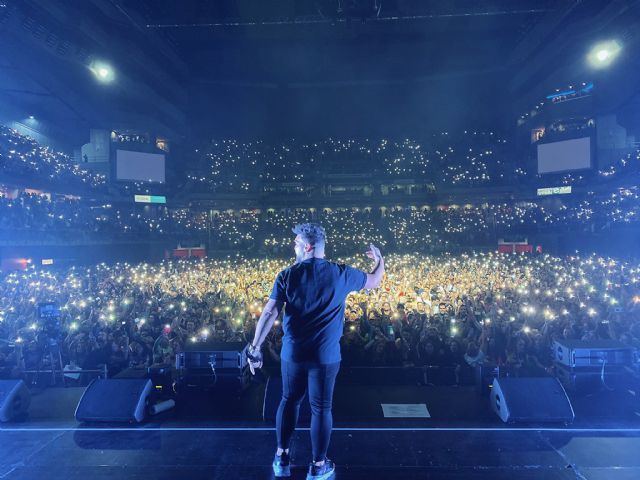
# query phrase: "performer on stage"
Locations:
[[314, 291]]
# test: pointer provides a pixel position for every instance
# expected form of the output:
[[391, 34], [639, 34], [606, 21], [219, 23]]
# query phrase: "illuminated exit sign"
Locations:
[[554, 191], [150, 199]]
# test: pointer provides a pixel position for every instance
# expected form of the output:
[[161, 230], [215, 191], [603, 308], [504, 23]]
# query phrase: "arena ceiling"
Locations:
[[177, 57], [298, 42]]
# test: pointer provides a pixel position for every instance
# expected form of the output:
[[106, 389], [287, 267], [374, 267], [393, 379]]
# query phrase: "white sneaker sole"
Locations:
[[324, 476], [281, 471]]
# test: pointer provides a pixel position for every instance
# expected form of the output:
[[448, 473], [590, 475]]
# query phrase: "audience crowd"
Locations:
[[399, 228], [445, 160], [470, 159], [466, 159], [439, 311], [444, 311], [23, 158]]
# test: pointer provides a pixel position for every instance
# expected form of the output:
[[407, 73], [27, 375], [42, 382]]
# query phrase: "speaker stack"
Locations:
[[212, 366], [590, 365]]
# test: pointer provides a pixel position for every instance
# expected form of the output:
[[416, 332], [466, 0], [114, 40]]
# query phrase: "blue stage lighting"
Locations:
[[603, 54], [102, 71]]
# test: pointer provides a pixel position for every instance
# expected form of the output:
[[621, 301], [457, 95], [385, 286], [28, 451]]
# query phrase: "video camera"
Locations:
[[48, 310], [49, 315]]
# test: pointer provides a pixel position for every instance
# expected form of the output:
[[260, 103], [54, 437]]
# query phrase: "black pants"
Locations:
[[320, 379]]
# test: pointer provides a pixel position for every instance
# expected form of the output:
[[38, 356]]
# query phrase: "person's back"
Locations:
[[314, 292]]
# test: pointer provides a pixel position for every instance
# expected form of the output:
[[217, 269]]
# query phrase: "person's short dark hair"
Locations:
[[311, 233]]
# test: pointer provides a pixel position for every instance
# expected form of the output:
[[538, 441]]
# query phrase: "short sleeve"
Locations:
[[278, 292], [355, 279]]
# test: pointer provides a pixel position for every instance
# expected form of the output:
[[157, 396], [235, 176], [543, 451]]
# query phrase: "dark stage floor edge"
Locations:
[[211, 436]]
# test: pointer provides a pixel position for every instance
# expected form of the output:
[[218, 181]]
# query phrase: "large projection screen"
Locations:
[[139, 167], [564, 156]]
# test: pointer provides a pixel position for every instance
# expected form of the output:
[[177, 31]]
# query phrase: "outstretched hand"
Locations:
[[374, 253]]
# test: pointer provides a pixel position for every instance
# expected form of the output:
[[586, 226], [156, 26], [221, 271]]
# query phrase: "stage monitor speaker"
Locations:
[[115, 400], [272, 397], [532, 399], [208, 366], [15, 399], [590, 353], [220, 356]]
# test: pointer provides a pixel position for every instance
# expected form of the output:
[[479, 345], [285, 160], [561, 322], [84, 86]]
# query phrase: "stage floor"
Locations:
[[212, 437], [244, 453]]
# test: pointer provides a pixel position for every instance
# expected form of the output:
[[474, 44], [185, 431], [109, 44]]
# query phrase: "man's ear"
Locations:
[[308, 247]]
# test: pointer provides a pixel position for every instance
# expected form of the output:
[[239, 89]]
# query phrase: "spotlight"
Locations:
[[102, 71], [603, 54]]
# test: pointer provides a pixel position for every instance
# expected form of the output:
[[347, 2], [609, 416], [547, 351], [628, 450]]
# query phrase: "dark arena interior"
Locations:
[[155, 156]]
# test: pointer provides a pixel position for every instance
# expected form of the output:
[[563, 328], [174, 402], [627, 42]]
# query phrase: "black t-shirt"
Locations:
[[314, 291]]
